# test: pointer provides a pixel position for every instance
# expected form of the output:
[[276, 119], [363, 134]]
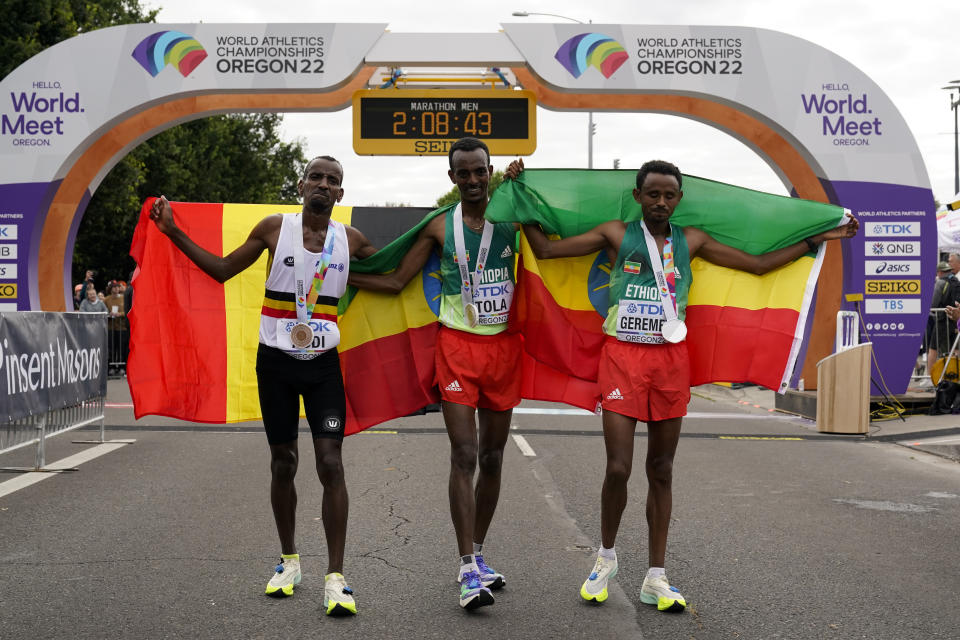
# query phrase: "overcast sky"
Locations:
[[910, 49]]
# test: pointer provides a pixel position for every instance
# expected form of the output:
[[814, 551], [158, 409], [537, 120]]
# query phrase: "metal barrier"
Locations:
[[53, 373], [939, 335], [36, 429]]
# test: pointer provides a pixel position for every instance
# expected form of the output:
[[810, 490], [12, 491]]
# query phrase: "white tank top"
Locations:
[[279, 304]]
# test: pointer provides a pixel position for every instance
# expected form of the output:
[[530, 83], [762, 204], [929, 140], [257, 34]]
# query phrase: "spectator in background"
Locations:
[[946, 293], [92, 303], [117, 327], [954, 261], [77, 296]]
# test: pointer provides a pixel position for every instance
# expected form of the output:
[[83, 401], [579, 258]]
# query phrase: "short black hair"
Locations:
[[330, 158], [467, 144], [658, 166]]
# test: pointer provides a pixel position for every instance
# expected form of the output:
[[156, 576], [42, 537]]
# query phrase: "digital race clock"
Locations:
[[427, 122]]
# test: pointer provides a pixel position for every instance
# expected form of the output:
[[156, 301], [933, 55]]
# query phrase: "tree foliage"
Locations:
[[217, 159], [27, 27], [454, 194]]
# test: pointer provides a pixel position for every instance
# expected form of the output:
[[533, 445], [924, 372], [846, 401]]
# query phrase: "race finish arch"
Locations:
[[69, 114]]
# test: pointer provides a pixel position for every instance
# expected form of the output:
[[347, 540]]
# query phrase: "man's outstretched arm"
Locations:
[[703, 245], [219, 268], [409, 266]]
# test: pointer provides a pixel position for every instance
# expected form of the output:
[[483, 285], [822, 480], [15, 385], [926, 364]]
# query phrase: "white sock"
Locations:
[[656, 572], [609, 554], [477, 548], [468, 563]]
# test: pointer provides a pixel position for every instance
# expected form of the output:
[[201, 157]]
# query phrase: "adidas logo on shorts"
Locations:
[[507, 252], [615, 395], [453, 386]]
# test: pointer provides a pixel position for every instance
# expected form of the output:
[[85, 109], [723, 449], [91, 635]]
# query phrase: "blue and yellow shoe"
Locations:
[[659, 592], [594, 588], [472, 592], [338, 597], [286, 577], [490, 578]]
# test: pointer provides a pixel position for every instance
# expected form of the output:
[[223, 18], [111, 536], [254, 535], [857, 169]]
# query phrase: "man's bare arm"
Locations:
[[606, 235], [360, 246], [219, 268], [703, 245], [394, 282]]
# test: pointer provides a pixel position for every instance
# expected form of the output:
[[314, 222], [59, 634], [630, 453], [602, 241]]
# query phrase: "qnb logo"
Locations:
[[591, 50], [169, 47]]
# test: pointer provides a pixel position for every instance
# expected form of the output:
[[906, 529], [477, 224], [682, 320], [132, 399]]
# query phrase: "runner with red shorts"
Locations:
[[478, 361], [644, 369]]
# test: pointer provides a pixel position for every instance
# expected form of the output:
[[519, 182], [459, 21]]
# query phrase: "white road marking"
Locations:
[[33, 477], [700, 415], [524, 446]]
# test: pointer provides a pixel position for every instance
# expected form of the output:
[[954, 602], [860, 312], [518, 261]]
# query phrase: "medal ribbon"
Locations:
[[305, 310], [669, 305], [468, 289]]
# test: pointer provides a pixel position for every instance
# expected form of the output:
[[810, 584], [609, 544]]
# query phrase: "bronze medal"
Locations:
[[301, 335]]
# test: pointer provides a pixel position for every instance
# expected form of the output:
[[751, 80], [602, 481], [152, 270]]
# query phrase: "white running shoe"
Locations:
[[287, 575], [659, 592], [337, 596], [594, 589], [472, 592]]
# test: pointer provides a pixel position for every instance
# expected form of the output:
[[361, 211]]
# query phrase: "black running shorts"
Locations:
[[282, 379]]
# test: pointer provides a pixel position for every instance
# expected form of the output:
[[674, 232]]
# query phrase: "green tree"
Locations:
[[454, 194], [238, 158], [27, 27]]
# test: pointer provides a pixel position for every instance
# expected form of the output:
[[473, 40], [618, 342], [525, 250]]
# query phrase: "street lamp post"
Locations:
[[956, 134], [591, 128]]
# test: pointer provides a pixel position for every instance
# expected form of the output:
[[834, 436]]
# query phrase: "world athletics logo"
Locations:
[[169, 47], [593, 50]]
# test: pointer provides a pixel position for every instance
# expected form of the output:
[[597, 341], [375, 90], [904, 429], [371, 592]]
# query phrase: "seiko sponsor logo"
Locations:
[[892, 267], [880, 306], [890, 248], [892, 287], [892, 229]]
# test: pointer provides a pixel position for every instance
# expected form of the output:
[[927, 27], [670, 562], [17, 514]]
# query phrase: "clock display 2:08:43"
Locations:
[[442, 123]]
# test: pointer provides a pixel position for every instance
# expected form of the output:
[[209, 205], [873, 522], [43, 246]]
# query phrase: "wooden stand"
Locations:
[[843, 391]]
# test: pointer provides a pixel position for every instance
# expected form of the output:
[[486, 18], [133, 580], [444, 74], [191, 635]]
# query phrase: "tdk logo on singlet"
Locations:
[[288, 261]]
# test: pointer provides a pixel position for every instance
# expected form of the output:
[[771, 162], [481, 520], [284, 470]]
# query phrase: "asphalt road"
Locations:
[[778, 532]]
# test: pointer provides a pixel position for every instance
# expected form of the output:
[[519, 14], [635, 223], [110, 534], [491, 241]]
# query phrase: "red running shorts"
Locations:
[[479, 371], [645, 381]]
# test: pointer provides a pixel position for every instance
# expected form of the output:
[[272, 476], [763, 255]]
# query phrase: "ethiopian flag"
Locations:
[[742, 327], [194, 340]]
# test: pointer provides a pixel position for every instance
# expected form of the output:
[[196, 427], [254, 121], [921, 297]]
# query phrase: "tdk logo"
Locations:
[[892, 229]]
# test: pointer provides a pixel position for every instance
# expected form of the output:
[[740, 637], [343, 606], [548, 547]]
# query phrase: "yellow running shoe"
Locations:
[[338, 597], [659, 592], [287, 575], [594, 588]]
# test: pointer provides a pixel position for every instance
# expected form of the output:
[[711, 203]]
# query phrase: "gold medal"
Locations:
[[301, 335], [471, 314]]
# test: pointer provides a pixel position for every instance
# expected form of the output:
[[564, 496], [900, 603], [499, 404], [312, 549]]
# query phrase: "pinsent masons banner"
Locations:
[[50, 361], [844, 126], [70, 113]]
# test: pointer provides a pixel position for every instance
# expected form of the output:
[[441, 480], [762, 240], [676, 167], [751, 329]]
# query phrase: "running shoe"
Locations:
[[472, 592], [287, 575], [594, 588], [338, 597], [490, 578], [659, 592]]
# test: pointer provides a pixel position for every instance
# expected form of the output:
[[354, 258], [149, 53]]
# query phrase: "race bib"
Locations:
[[640, 321], [326, 335], [493, 302]]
